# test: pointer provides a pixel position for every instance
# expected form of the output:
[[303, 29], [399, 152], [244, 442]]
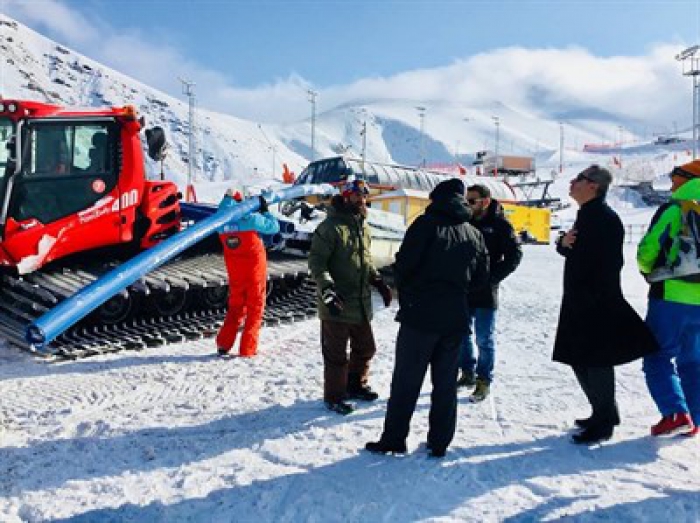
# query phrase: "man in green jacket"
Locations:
[[669, 257], [341, 263]]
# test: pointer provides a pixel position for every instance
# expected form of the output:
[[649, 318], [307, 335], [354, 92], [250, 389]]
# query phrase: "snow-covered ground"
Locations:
[[175, 434]]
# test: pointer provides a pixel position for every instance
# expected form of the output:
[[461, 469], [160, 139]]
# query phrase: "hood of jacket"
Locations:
[[690, 190], [450, 207]]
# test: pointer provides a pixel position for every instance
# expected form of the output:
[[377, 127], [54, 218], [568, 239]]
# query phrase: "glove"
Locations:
[[263, 205], [332, 301], [383, 289]]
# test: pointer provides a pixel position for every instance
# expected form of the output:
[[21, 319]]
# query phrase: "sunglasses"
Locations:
[[677, 171], [472, 201]]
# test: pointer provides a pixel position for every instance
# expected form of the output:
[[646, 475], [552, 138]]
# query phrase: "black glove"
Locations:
[[263, 205], [332, 301], [383, 289]]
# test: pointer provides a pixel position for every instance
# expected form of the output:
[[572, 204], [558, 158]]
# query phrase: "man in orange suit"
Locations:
[[246, 265]]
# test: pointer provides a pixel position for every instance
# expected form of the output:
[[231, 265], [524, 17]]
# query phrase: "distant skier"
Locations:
[[669, 257], [246, 265]]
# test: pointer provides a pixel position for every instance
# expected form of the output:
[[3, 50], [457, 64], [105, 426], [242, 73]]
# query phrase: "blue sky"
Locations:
[[246, 53], [331, 42]]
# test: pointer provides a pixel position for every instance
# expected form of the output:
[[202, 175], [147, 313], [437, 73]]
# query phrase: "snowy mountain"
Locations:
[[230, 148]]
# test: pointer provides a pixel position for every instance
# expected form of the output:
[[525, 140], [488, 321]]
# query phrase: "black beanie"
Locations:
[[447, 189]]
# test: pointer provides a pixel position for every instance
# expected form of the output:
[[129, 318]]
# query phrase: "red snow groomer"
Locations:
[[74, 201], [74, 181]]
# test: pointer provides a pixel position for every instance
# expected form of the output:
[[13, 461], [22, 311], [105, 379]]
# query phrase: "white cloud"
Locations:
[[648, 88], [66, 24]]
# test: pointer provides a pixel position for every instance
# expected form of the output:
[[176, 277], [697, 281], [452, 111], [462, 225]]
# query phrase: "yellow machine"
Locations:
[[531, 224]]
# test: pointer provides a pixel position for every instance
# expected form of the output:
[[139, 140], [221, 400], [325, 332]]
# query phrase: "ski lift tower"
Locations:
[[691, 67], [312, 99], [188, 89]]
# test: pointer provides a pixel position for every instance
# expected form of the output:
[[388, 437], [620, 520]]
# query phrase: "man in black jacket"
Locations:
[[441, 258], [597, 328], [504, 257]]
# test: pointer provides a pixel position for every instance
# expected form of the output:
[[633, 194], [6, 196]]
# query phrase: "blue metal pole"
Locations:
[[52, 324]]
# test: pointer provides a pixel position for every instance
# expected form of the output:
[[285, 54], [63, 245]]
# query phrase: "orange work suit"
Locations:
[[246, 264]]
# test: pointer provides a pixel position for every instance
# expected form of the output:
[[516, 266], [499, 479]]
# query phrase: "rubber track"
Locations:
[[22, 299]]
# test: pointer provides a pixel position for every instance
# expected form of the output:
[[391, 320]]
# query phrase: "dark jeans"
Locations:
[[336, 364], [415, 351], [598, 384], [483, 324]]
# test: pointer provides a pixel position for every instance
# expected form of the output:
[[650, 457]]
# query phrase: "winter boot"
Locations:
[[679, 423], [357, 390], [583, 423], [481, 391], [224, 353], [340, 407], [593, 434], [467, 379], [435, 452], [382, 447]]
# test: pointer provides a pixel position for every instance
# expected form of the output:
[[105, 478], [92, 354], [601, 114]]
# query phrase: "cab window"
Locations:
[[66, 168]]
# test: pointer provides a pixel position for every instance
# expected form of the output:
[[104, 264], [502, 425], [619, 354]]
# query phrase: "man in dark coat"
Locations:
[[441, 258], [504, 257], [597, 328]]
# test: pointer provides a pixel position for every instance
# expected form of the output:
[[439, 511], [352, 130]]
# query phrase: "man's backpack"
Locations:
[[683, 257]]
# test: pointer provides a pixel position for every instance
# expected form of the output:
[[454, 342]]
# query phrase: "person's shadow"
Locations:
[[385, 488]]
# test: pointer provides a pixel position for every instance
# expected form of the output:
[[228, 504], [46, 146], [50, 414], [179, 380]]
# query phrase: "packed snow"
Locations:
[[176, 434]]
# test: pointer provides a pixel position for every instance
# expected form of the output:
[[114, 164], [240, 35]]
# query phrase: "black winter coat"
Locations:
[[504, 254], [597, 327], [441, 258]]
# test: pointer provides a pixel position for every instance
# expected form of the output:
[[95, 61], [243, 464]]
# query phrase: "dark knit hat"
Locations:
[[689, 170], [448, 188]]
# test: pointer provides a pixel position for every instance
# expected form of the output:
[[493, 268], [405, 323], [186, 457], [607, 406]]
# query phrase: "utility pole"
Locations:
[[188, 89], [273, 148], [497, 121], [561, 147], [421, 115], [621, 142], [691, 67], [363, 133], [312, 99]]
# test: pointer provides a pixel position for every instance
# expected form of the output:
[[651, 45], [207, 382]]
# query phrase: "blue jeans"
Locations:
[[673, 373], [482, 322]]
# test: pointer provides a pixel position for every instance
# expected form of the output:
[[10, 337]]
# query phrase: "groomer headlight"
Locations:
[[12, 107], [2, 107]]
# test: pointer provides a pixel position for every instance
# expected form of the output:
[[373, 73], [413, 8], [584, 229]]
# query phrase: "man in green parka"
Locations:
[[341, 263], [669, 258]]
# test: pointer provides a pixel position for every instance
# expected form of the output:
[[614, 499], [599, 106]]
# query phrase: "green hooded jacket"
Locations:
[[340, 256], [660, 248]]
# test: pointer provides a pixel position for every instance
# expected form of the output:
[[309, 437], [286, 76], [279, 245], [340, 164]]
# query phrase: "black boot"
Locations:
[[357, 390], [594, 434], [382, 447], [584, 423]]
